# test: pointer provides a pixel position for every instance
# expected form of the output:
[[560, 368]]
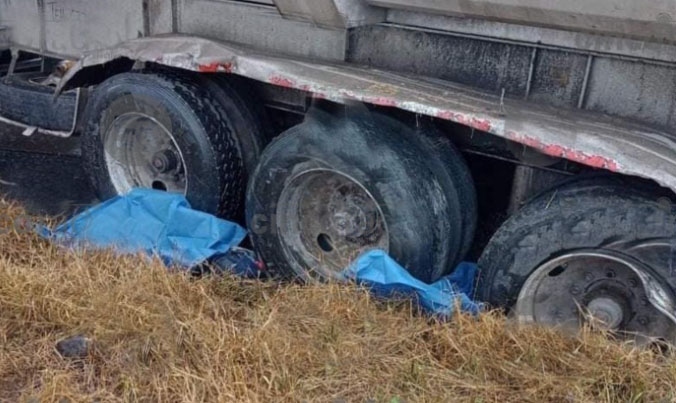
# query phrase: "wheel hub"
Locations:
[[351, 215], [165, 161], [141, 152], [607, 311], [326, 220], [598, 286]]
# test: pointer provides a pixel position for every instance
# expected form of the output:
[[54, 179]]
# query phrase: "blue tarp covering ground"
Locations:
[[154, 222], [386, 278], [164, 224]]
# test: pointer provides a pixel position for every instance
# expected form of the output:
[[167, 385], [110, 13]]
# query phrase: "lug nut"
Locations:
[[165, 161]]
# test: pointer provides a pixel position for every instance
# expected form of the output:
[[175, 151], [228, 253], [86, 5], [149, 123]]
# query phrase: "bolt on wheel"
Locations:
[[141, 152], [601, 287], [171, 131], [327, 219], [333, 187], [592, 249]]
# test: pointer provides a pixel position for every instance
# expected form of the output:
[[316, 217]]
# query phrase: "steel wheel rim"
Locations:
[[325, 220], [141, 152], [612, 290]]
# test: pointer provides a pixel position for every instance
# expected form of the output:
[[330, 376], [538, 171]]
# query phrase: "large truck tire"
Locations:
[[588, 249], [25, 100], [331, 188], [453, 159], [172, 132], [245, 111]]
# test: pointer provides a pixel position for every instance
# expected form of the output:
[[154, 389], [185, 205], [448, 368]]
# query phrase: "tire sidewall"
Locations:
[[565, 220], [414, 210], [128, 93]]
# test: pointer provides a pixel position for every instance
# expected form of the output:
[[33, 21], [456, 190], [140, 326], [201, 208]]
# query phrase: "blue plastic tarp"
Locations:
[[163, 224], [386, 278], [154, 222]]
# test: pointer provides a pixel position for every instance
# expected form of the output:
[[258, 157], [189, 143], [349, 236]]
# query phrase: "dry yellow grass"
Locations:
[[159, 336]]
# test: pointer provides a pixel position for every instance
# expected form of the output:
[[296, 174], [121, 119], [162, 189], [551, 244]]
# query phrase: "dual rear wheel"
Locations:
[[332, 188], [187, 134]]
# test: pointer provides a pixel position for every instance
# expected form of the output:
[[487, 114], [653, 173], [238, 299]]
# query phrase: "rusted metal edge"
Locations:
[[585, 137]]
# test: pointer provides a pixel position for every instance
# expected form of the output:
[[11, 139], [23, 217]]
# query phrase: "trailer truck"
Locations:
[[536, 136]]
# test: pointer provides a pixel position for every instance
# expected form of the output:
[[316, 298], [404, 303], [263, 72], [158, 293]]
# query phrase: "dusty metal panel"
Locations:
[[357, 12], [160, 15], [76, 26], [532, 34], [558, 78], [321, 12], [266, 2], [589, 138], [260, 27], [23, 18], [4, 37], [653, 20], [562, 77], [645, 91], [332, 13], [491, 67]]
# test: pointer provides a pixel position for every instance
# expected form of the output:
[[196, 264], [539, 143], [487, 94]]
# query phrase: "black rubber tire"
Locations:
[[610, 214], [243, 111], [388, 160], [463, 182], [210, 122], [24, 100]]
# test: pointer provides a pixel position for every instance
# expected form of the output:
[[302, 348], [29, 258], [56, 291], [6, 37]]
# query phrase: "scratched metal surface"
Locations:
[[589, 138], [641, 90], [68, 28], [609, 75]]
